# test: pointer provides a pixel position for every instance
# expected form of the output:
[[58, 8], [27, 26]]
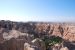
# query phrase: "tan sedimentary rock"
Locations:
[[27, 46], [39, 43], [64, 48]]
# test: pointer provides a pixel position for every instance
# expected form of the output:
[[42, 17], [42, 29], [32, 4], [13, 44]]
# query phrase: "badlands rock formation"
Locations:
[[20, 36]]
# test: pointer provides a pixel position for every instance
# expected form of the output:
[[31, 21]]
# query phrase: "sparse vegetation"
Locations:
[[50, 41]]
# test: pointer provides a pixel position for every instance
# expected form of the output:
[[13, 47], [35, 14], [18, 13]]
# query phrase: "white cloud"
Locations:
[[18, 18], [12, 18], [38, 18]]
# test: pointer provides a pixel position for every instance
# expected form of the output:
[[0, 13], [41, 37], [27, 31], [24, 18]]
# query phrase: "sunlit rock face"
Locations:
[[27, 46], [39, 44], [59, 47], [64, 48], [14, 35]]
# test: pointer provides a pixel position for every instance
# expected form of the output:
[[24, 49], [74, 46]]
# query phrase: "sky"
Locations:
[[38, 10]]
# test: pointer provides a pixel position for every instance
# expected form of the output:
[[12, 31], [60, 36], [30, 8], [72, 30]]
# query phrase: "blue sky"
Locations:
[[38, 10]]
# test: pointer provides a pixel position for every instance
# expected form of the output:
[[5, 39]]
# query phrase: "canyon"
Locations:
[[29, 35]]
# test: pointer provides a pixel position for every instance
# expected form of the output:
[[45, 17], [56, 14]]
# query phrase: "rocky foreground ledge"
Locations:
[[29, 35]]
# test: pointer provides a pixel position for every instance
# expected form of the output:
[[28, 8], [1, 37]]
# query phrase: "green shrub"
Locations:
[[52, 40]]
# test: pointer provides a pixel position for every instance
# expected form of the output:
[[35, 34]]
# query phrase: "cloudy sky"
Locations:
[[37, 10]]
